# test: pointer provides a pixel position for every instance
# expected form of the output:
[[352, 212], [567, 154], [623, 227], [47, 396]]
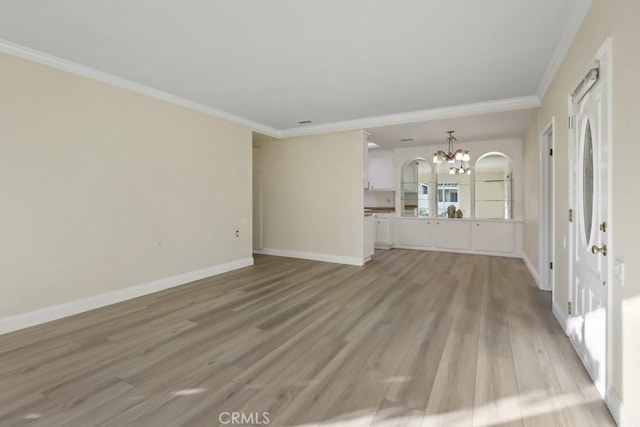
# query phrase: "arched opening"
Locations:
[[416, 187]]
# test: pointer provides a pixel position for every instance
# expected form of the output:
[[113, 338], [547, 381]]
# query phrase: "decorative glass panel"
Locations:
[[587, 182], [494, 187], [416, 184], [453, 192]]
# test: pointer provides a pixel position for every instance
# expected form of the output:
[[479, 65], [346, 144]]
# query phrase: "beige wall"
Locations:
[[313, 196], [531, 189], [93, 177], [618, 19]]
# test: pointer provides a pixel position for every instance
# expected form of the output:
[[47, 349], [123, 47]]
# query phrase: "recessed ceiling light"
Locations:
[[406, 140], [305, 122], [372, 145]]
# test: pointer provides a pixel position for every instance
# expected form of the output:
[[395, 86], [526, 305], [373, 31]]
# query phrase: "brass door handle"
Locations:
[[596, 250]]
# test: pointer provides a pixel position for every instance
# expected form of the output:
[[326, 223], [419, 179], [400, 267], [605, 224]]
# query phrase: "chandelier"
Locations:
[[459, 155]]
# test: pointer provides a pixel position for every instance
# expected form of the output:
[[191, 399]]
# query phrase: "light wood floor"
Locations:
[[412, 338]]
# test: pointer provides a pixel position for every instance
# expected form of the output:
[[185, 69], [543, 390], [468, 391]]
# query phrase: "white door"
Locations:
[[590, 198]]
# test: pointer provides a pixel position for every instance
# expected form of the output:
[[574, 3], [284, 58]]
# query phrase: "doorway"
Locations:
[[590, 201]]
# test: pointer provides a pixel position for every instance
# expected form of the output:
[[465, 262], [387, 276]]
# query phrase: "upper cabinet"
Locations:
[[381, 171]]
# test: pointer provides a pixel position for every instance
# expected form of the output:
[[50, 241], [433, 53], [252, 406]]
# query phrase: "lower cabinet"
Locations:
[[384, 233], [453, 234], [414, 233], [494, 236], [369, 234], [489, 237]]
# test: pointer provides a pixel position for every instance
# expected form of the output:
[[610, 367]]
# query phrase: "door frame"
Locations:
[[604, 57], [547, 207]]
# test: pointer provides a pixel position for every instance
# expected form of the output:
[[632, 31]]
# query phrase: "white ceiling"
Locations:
[[280, 61]]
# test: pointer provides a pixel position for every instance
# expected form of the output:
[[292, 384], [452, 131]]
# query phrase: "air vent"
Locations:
[[305, 122], [406, 140]]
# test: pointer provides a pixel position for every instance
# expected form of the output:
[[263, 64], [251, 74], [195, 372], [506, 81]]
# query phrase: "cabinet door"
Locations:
[[452, 234], [415, 233], [383, 233], [381, 172], [494, 236], [369, 233]]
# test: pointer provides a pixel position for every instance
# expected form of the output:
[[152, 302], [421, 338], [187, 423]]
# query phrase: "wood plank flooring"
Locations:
[[411, 339]]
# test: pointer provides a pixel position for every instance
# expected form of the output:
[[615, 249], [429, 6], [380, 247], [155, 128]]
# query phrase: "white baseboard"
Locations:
[[311, 256], [459, 251], [47, 314], [532, 271], [561, 316], [619, 412]]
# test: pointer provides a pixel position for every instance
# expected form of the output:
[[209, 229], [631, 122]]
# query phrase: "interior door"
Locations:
[[589, 232]]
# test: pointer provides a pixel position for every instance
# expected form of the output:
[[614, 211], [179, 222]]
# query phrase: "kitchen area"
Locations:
[[413, 201]]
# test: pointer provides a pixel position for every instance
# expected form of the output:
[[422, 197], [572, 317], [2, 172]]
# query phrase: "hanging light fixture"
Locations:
[[454, 156]]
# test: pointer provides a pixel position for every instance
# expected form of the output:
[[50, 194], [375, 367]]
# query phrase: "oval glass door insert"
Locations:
[[587, 182]]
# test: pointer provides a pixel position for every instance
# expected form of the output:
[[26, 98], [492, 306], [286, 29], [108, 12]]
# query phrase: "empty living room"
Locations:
[[319, 213]]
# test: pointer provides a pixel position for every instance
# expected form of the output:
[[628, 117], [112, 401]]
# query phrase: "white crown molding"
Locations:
[[47, 314], [358, 124], [496, 106], [91, 73], [576, 18]]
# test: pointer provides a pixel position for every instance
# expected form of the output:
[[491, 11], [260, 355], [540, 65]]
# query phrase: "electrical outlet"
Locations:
[[159, 244]]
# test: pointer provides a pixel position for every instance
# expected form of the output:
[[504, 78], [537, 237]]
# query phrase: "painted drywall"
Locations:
[[103, 189], [618, 19], [313, 195]]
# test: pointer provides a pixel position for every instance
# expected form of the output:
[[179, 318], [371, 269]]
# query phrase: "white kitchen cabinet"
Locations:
[[453, 234], [381, 171], [414, 233], [369, 236], [494, 236], [384, 232]]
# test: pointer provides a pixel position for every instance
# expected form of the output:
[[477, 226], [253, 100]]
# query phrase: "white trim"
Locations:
[[91, 73], [460, 251], [313, 256], [496, 106], [619, 412], [532, 269], [546, 234], [47, 314], [508, 104], [561, 316], [578, 14]]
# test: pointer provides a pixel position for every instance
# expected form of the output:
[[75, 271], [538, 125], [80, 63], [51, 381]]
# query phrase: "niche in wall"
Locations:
[[494, 186]]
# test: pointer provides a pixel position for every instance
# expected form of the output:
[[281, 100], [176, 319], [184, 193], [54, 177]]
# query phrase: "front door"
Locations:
[[589, 231]]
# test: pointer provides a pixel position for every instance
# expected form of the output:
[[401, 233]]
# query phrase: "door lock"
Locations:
[[596, 250], [603, 227]]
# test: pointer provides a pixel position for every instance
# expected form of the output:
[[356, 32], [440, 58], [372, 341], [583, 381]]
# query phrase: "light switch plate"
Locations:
[[618, 271]]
